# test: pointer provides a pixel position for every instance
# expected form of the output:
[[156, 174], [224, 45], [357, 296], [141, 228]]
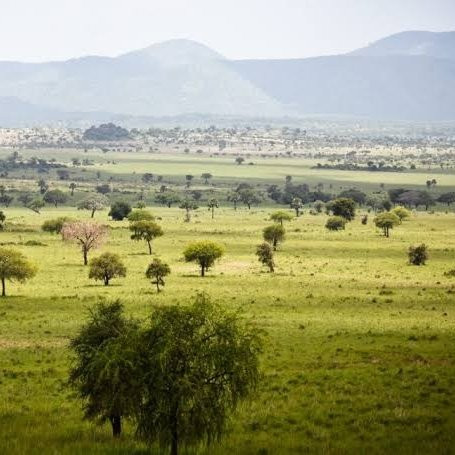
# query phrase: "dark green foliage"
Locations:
[[119, 210], [2, 220], [386, 221], [157, 271], [447, 198], [264, 252], [145, 230], [343, 207], [55, 197], [104, 370], [359, 197], [250, 197], [280, 216], [188, 205], [418, 255], [106, 132], [104, 188], [201, 361], [335, 223]]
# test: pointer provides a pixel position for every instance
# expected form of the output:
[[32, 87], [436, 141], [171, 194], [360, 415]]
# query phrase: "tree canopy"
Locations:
[[14, 267], [205, 253], [106, 267]]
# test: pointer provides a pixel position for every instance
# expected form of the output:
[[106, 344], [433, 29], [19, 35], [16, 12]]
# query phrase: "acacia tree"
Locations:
[[205, 253], [212, 205], [386, 221], [297, 205], [234, 197], [157, 271], [274, 235], [72, 187], [188, 396], [88, 234], [188, 205], [343, 207], [14, 266], [55, 197], [93, 203], [280, 216], [401, 213], [250, 197], [106, 267], [264, 252], [145, 230], [104, 371], [206, 176], [119, 210]]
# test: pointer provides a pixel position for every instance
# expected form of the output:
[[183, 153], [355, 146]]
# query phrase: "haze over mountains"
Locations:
[[407, 76]]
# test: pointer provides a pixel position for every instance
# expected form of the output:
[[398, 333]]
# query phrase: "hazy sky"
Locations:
[[39, 30]]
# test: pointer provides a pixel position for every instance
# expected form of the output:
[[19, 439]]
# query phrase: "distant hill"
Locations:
[[428, 44], [408, 76]]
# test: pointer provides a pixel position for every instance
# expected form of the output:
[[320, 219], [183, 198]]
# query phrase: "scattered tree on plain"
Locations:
[[205, 253], [212, 205], [55, 226], [401, 213], [157, 271], [140, 215], [145, 230], [14, 267], [234, 197], [386, 221], [206, 176], [55, 197], [119, 210], [264, 252], [335, 223], [106, 267], [88, 234], [281, 216], [93, 203], [188, 205], [297, 205], [274, 235], [343, 207]]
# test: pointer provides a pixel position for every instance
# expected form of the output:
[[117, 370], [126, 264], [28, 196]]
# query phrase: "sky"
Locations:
[[43, 30]]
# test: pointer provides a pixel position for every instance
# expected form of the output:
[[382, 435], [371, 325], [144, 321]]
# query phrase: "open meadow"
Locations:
[[359, 352]]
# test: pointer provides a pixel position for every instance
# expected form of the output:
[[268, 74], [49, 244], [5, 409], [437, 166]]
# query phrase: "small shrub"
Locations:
[[418, 255], [335, 223]]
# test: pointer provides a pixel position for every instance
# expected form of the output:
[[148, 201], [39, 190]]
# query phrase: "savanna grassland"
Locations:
[[359, 351], [360, 345]]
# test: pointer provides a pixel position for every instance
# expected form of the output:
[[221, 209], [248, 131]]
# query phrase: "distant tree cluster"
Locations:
[[106, 132]]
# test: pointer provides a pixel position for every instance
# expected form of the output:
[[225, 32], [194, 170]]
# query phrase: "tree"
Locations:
[[119, 210], [106, 267], [72, 187], [169, 198], [234, 197], [55, 197], [418, 255], [401, 213], [386, 221], [157, 271], [359, 197], [201, 361], [63, 174], [6, 199], [88, 234], [264, 252], [343, 207], [447, 198], [55, 226], [104, 370], [274, 235], [104, 188], [93, 203], [188, 179], [297, 205], [212, 205], [14, 266], [250, 197], [335, 223], [318, 206], [140, 215], [205, 253], [188, 205], [145, 230], [43, 186], [206, 176], [280, 216], [239, 160], [2, 220]]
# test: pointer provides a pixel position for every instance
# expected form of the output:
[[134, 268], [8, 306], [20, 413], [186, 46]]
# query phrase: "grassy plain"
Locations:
[[360, 346]]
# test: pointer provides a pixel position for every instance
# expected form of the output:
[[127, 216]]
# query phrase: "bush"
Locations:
[[401, 213], [119, 210], [55, 226], [335, 223], [418, 255]]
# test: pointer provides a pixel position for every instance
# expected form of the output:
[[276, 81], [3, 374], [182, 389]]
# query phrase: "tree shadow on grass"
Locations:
[[101, 285]]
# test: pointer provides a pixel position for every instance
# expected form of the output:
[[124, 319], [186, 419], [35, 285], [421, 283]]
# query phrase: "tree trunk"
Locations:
[[274, 244], [213, 212], [93, 213], [116, 422], [85, 257], [202, 270], [235, 205], [150, 246], [157, 286], [106, 281], [3, 287]]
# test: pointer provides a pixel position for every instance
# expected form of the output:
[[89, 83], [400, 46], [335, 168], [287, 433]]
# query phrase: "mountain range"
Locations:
[[407, 76]]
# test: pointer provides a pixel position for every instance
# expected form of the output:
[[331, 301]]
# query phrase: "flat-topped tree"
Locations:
[[88, 234], [212, 205], [250, 197], [145, 230], [386, 221], [206, 176], [55, 197], [14, 266], [280, 216], [274, 235], [205, 253], [93, 203]]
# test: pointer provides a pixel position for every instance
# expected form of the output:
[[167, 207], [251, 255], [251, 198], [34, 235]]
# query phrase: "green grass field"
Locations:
[[360, 346]]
